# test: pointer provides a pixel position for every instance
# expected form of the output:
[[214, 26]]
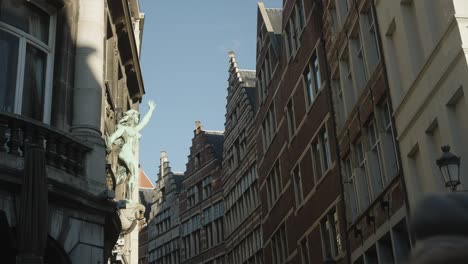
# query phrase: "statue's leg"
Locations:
[[133, 168]]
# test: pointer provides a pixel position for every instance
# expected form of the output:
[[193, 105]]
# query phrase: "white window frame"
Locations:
[[290, 113], [49, 49], [350, 179], [298, 188], [325, 149], [330, 234], [360, 55], [373, 32], [316, 81], [362, 166], [376, 149]]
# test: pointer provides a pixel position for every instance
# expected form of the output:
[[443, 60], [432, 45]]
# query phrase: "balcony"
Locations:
[[62, 151]]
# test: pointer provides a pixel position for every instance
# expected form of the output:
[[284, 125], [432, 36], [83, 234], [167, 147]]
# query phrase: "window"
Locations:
[[304, 252], [358, 60], [360, 55], [288, 41], [26, 52], [330, 232], [207, 189], [388, 141], [312, 78], [370, 35], [316, 159], [300, 13], [350, 189], [343, 7], [279, 246], [265, 74], [325, 149], [339, 103], [298, 186], [192, 198], [274, 185], [294, 28], [375, 157], [267, 68], [362, 177], [207, 215], [291, 119], [321, 154], [269, 127]]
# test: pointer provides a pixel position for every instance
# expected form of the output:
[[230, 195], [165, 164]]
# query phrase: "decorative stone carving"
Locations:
[[128, 132], [130, 216], [110, 178]]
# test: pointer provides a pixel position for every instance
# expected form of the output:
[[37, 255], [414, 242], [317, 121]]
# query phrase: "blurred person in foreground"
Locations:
[[439, 227]]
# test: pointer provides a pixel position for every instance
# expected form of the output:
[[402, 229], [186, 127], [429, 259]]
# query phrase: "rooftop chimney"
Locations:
[[198, 127]]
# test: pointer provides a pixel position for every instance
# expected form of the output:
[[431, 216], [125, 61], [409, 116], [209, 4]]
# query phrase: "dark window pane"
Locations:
[[34, 83], [26, 17], [8, 70]]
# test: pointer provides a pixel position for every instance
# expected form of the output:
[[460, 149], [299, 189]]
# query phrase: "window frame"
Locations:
[[298, 188], [291, 118], [24, 39], [376, 147], [330, 235], [313, 87]]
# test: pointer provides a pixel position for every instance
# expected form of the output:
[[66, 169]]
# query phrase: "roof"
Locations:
[[275, 15], [247, 74], [216, 140], [144, 181]]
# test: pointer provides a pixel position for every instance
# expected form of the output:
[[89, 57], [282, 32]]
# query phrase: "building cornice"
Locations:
[[121, 17]]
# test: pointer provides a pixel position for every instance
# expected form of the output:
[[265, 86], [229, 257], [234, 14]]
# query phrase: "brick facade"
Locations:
[[307, 205]]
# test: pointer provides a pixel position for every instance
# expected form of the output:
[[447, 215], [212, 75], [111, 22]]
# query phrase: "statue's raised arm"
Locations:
[[146, 119]]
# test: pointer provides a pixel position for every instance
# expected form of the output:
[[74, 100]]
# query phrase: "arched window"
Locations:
[[27, 36]]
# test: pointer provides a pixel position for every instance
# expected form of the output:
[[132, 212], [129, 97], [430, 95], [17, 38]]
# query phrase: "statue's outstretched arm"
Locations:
[[144, 121], [118, 133]]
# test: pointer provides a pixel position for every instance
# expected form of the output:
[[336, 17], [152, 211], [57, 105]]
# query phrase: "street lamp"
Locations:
[[449, 166]]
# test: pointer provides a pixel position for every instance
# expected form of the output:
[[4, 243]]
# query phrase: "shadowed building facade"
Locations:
[[298, 173], [424, 46], [146, 193], [201, 201], [243, 241], [163, 222], [371, 173], [57, 100]]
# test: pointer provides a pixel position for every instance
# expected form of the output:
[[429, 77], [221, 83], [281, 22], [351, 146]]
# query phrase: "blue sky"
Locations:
[[185, 69]]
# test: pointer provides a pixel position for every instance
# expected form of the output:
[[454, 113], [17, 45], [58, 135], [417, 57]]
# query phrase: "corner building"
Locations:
[[371, 173], [68, 71], [201, 200], [300, 187], [243, 240]]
